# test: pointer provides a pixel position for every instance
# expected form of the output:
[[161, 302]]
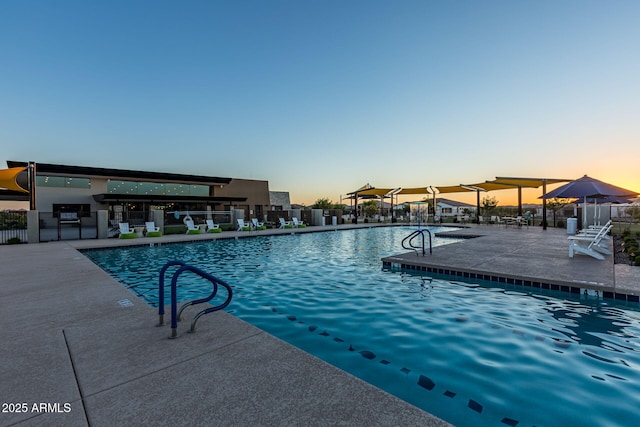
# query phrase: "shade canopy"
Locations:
[[453, 189], [379, 192], [9, 179], [588, 187], [364, 187], [416, 190], [527, 182]]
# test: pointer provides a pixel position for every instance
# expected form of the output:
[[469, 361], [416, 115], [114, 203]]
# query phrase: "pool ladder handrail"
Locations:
[[409, 241], [175, 312]]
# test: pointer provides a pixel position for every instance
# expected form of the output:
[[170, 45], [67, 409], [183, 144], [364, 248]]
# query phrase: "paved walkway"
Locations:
[[80, 350], [81, 344]]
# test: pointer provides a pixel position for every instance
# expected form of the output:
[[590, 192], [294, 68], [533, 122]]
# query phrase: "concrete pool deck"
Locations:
[[73, 335]]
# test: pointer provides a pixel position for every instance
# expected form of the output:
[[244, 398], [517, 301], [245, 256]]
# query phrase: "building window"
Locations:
[[156, 188], [62, 182]]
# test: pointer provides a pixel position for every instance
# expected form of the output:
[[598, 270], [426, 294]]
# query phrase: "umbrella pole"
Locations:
[[544, 205]]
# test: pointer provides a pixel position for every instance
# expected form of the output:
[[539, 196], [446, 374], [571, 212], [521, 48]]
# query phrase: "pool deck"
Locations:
[[528, 258], [73, 335]]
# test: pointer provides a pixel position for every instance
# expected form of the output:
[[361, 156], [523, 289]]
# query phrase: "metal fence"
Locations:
[[198, 217], [13, 227], [61, 226]]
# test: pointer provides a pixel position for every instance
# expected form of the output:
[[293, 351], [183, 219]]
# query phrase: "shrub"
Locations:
[[560, 224], [637, 261], [175, 229], [14, 241]]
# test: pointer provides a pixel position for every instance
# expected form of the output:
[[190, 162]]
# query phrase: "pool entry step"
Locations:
[[409, 241], [175, 312]]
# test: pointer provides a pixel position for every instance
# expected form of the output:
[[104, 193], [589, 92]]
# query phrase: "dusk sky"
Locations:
[[321, 97]]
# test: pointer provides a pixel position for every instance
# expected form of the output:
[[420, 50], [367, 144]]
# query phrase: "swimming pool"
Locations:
[[470, 353]]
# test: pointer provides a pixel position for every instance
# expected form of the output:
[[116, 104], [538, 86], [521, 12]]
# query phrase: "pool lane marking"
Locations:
[[423, 381]]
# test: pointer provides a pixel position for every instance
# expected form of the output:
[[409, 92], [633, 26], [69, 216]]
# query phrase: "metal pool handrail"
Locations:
[[175, 313], [409, 241]]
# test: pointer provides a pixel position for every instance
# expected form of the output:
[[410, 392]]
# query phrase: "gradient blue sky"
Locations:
[[320, 97]]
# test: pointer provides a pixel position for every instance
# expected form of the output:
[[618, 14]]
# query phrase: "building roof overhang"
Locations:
[[10, 195], [151, 198], [91, 172]]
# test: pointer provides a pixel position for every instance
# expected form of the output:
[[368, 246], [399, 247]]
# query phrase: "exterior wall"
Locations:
[[47, 196], [256, 192], [280, 199]]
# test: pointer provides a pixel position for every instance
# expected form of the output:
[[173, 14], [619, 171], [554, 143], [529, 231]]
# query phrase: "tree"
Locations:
[[555, 205], [323, 203], [633, 211], [489, 204], [370, 207]]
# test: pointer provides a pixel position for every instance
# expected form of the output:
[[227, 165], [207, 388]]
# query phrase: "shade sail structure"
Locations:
[[378, 192], [453, 189], [528, 182], [9, 179], [588, 187], [367, 186], [417, 190]]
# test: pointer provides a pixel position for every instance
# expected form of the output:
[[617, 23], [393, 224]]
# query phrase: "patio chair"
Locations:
[[594, 246], [191, 228], [522, 221], [242, 226], [152, 230], [258, 225], [298, 224], [126, 232], [509, 220], [212, 227], [495, 220], [285, 224]]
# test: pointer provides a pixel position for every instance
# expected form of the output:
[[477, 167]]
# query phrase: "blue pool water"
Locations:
[[470, 353]]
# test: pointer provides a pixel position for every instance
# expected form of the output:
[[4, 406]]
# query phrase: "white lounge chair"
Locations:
[[298, 224], [594, 246], [191, 228], [126, 232], [593, 230], [258, 225], [285, 224], [212, 227], [152, 230], [243, 226]]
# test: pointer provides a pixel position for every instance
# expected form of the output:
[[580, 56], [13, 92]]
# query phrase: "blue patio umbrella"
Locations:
[[607, 199], [585, 188], [597, 201]]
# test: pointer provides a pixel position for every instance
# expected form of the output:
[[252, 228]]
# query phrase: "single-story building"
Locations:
[[446, 208], [130, 195]]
